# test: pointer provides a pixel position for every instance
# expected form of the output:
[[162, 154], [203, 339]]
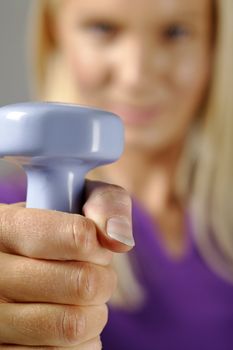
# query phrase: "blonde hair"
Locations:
[[205, 175], [212, 201], [50, 79]]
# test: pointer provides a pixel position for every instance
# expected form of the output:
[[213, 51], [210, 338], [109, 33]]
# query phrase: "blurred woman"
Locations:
[[165, 68]]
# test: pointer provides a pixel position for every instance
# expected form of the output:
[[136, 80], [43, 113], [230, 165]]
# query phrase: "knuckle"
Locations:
[[72, 326], [103, 316], [114, 279], [108, 201], [87, 284], [84, 235], [108, 193], [96, 344], [116, 193], [5, 220]]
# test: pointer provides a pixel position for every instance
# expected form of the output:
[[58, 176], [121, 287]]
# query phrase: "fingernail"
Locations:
[[120, 229]]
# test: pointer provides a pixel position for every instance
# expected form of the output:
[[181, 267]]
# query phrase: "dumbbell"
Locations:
[[57, 144]]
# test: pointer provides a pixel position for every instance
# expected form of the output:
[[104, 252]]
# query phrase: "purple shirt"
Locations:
[[12, 183], [187, 307]]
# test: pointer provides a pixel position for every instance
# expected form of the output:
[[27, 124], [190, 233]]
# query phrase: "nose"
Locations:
[[136, 65]]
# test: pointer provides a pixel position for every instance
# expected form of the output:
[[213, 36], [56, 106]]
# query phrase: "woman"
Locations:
[[165, 70]]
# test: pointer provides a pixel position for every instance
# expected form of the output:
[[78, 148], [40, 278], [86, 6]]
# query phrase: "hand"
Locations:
[[55, 271]]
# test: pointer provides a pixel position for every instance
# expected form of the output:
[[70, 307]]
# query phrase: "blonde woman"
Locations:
[[165, 67]]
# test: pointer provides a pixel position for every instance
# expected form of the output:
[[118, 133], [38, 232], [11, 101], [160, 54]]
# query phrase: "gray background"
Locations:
[[13, 51]]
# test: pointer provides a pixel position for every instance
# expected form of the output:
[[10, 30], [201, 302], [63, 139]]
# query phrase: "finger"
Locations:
[[50, 325], [93, 344], [73, 283], [47, 234], [19, 204], [109, 206]]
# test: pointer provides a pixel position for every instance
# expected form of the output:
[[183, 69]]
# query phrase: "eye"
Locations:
[[175, 32], [103, 29]]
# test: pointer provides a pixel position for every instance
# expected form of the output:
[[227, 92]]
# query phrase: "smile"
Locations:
[[133, 115]]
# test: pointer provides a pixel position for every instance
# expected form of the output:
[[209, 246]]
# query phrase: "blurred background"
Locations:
[[13, 51], [14, 86]]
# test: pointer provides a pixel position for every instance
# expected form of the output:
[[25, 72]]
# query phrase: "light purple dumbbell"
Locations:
[[57, 144]]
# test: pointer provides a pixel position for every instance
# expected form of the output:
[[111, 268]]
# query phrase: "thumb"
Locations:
[[109, 206]]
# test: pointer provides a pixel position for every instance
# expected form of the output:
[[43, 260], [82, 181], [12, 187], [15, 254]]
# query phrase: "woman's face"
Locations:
[[146, 60]]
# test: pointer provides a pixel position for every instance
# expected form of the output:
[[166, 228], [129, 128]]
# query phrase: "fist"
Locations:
[[56, 275]]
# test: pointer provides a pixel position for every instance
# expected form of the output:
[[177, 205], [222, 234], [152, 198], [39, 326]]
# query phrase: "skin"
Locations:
[[151, 68], [73, 252]]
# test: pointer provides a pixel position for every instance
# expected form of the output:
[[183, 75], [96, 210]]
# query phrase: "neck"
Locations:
[[148, 177]]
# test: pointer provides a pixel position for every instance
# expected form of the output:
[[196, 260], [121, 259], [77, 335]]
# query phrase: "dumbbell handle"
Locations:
[[57, 144], [58, 188]]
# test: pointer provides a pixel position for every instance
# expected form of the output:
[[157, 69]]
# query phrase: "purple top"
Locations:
[[12, 183], [187, 307]]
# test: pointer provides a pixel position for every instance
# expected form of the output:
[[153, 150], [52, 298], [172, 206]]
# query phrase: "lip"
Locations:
[[136, 115]]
